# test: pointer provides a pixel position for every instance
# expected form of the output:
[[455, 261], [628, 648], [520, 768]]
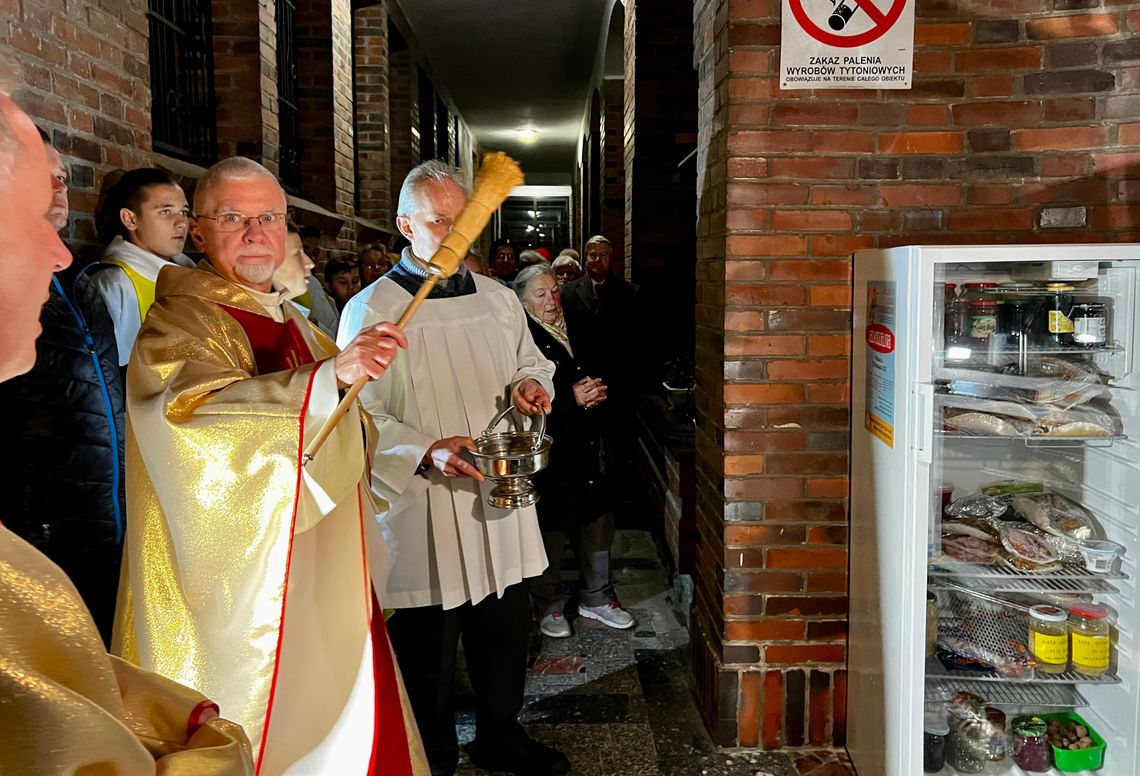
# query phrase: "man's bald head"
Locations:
[[235, 168]]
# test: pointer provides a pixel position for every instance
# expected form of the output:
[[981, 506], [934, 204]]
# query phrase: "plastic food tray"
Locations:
[[1078, 759]]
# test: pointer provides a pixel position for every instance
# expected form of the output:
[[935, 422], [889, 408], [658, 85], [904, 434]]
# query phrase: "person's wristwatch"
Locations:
[[422, 469]]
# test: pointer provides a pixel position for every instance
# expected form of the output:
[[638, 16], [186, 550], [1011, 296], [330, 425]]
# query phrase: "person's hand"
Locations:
[[445, 455], [529, 397], [369, 354], [589, 392]]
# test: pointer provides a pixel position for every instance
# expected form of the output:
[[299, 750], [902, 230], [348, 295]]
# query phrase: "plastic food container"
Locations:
[[1078, 759], [1100, 554]]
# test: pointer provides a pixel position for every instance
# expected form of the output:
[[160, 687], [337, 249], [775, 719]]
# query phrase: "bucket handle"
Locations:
[[506, 411]]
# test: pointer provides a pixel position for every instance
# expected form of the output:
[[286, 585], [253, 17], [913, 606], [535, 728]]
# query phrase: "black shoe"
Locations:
[[531, 759]]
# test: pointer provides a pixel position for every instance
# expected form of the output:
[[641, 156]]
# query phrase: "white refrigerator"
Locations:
[[941, 409]]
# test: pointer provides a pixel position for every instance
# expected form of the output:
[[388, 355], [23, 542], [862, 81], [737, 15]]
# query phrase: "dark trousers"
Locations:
[[494, 633], [591, 543]]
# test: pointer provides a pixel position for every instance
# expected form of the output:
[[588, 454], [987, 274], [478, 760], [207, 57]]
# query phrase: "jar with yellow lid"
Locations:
[[1088, 624], [1049, 638]]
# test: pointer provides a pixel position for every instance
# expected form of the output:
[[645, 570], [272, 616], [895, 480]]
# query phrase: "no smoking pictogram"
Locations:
[[839, 12]]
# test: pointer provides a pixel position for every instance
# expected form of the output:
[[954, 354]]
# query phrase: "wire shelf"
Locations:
[[1039, 440], [1055, 695], [1004, 578], [935, 670]]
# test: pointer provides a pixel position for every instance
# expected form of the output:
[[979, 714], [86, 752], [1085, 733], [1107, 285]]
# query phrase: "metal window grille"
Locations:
[[288, 114], [183, 111]]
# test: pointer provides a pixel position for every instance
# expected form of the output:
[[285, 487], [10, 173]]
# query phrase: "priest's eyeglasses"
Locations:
[[238, 222]]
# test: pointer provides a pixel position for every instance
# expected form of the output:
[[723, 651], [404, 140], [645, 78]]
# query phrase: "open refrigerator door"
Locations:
[[1028, 597]]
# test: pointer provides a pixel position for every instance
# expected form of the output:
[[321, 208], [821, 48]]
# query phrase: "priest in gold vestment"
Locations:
[[246, 574], [66, 706]]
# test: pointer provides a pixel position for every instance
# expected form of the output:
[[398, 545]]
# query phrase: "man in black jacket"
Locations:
[[64, 478]]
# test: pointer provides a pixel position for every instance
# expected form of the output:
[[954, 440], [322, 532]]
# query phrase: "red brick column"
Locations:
[[1023, 126], [324, 68], [404, 114], [612, 185], [245, 63], [373, 165]]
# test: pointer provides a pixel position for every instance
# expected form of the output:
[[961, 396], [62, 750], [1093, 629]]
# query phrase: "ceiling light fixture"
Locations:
[[526, 135]]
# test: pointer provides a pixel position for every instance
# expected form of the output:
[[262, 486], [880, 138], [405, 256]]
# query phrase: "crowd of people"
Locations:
[[180, 591]]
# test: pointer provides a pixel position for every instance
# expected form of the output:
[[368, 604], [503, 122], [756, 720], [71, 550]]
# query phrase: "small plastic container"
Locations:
[[934, 734], [1069, 760], [1100, 554]]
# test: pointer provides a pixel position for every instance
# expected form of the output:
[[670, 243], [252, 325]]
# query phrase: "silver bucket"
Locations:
[[510, 459]]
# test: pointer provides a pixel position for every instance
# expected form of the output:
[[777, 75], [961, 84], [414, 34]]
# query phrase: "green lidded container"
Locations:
[[1078, 759]]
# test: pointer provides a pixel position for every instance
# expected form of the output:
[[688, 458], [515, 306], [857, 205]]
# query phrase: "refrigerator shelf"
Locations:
[[936, 671], [1055, 695], [1038, 440], [1072, 578], [965, 354]]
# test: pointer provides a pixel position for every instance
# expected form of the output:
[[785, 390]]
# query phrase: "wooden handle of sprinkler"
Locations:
[[355, 389]]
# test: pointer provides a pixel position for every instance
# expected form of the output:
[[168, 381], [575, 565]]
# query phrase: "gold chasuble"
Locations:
[[245, 575], [67, 707]]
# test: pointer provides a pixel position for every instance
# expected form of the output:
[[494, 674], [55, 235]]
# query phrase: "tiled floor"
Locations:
[[619, 703]]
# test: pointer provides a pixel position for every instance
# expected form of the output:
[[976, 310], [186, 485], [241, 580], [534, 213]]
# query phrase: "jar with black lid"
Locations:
[[1090, 324]]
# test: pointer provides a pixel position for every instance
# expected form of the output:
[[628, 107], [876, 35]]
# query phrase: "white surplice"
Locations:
[[464, 356]]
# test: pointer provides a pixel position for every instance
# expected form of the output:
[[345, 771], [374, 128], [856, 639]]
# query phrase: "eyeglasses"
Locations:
[[237, 222]]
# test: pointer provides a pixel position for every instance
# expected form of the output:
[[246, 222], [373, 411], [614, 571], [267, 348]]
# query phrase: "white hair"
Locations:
[[434, 170], [521, 284], [236, 167]]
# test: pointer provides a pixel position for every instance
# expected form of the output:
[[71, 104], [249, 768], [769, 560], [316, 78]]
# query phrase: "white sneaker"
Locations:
[[610, 614], [554, 625]]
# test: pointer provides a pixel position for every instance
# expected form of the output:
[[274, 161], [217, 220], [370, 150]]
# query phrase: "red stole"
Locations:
[[276, 346]]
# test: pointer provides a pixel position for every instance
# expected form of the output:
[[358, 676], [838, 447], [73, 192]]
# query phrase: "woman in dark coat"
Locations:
[[574, 500]]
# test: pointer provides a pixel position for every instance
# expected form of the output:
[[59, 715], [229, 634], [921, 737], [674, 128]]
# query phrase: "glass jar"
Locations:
[[1049, 638], [983, 320], [968, 745], [1031, 744], [1058, 306], [931, 624], [934, 733], [1088, 624], [972, 292], [1016, 322], [1090, 324], [957, 325], [995, 747]]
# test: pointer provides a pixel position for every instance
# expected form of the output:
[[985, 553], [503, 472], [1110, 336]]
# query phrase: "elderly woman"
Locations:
[[575, 501], [372, 263], [566, 268]]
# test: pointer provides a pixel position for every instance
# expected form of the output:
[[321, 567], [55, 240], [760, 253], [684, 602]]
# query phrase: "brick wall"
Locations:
[[245, 64], [1022, 126], [612, 185], [373, 165], [661, 127], [404, 114], [88, 85], [324, 71]]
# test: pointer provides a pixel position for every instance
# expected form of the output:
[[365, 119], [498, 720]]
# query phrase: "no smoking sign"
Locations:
[[852, 44]]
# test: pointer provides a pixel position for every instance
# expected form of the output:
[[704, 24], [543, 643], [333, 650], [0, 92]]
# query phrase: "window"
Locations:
[[182, 80], [288, 116]]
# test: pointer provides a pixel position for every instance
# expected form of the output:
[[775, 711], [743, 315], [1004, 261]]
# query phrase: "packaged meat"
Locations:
[[985, 424], [1056, 514], [972, 526], [1028, 552], [1086, 420], [970, 549], [985, 507]]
